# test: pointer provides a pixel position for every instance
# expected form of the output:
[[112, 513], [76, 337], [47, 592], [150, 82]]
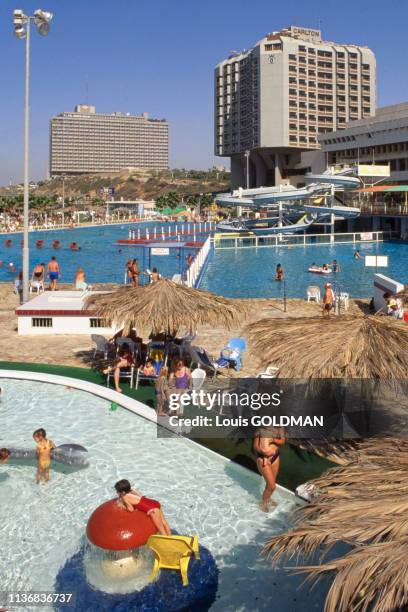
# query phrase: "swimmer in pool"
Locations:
[[44, 448], [279, 274], [4, 455], [130, 500]]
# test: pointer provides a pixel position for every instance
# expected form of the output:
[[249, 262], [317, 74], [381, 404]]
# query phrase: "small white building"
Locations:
[[60, 312]]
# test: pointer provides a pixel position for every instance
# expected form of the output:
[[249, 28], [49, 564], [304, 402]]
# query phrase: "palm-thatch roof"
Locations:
[[348, 346], [166, 307], [364, 504]]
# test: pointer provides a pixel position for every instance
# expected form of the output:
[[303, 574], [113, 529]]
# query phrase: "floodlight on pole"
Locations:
[[42, 21], [22, 24]]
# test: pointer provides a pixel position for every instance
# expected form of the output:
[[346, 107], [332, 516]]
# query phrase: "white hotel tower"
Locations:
[[273, 100]]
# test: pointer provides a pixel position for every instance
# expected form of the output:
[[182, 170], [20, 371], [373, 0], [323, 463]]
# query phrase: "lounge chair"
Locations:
[[233, 354], [125, 373], [199, 357], [173, 552]]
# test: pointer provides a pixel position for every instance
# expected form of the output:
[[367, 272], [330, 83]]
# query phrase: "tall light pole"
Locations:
[[22, 24]]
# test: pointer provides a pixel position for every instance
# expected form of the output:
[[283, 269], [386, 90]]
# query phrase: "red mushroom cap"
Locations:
[[113, 528]]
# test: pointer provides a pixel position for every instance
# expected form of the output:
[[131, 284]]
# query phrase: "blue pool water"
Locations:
[[250, 272], [247, 272], [99, 256]]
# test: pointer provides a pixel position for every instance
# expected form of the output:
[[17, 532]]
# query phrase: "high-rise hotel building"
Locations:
[[273, 100], [87, 142]]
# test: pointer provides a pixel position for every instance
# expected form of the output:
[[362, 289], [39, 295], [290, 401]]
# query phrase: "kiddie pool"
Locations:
[[201, 492]]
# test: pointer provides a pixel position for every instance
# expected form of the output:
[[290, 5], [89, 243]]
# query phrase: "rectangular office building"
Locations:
[[379, 140], [273, 100], [87, 142]]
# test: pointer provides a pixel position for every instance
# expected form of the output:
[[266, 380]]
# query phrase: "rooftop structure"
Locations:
[[60, 313]]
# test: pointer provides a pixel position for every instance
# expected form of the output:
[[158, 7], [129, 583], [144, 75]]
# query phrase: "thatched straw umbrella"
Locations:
[[340, 347], [364, 504], [166, 307]]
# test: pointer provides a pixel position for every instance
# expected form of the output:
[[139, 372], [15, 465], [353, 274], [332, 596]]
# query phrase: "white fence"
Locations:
[[172, 231], [225, 241], [194, 270]]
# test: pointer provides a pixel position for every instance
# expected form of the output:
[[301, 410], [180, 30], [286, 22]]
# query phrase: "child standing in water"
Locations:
[[44, 448], [131, 500]]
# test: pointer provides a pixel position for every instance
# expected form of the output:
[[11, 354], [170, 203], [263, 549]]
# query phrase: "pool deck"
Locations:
[[76, 350]]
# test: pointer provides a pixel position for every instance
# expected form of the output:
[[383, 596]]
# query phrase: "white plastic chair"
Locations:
[[313, 293], [37, 285], [101, 345], [198, 377], [344, 299]]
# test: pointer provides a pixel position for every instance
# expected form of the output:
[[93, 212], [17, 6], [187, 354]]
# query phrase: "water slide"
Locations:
[[286, 195]]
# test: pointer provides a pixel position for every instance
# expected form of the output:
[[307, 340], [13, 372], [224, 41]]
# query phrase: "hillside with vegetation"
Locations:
[[185, 185]]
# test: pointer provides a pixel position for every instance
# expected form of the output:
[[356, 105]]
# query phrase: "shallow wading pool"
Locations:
[[43, 526]]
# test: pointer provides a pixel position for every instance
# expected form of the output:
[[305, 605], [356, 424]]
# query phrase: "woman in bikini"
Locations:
[[266, 445], [44, 448], [180, 381], [130, 500]]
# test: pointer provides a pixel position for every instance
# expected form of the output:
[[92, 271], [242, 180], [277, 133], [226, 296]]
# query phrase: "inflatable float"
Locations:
[[319, 270], [69, 454]]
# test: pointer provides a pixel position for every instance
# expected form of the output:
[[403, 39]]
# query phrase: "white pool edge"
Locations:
[[126, 402]]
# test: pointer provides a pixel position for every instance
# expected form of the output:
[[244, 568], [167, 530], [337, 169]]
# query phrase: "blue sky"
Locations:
[[158, 56]]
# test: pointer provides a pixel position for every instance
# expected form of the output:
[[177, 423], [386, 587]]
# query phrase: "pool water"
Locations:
[[102, 259], [250, 272], [43, 525]]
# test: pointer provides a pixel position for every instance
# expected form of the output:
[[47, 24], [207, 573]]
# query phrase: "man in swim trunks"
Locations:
[[38, 272], [130, 500], [328, 299], [44, 448], [53, 270]]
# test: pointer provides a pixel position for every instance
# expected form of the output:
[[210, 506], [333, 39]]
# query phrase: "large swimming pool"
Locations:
[[42, 526], [250, 272], [101, 258], [247, 272]]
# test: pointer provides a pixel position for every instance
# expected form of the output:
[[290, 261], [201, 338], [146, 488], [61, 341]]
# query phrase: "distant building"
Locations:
[[272, 101], [86, 142], [382, 140]]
